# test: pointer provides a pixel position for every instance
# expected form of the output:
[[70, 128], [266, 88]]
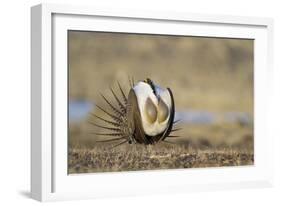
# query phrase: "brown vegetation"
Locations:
[[103, 158]]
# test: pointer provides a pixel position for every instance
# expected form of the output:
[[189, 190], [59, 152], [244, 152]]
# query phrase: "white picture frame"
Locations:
[[49, 178]]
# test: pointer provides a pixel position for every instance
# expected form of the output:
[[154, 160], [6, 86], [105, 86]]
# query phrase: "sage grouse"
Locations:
[[144, 116]]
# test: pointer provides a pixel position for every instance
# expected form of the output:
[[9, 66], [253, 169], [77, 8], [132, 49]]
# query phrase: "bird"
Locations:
[[145, 116]]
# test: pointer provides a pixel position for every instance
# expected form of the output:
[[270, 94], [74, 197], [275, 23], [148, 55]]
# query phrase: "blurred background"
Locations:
[[211, 79]]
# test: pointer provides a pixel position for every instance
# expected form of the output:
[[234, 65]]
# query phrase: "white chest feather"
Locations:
[[144, 91]]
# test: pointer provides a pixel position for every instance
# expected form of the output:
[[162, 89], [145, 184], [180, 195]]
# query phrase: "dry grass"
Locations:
[[198, 146], [102, 158]]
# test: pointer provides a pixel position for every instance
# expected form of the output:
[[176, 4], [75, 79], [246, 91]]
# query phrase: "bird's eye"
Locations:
[[163, 111], [150, 111]]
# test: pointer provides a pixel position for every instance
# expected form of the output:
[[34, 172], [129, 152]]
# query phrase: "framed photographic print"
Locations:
[[137, 102]]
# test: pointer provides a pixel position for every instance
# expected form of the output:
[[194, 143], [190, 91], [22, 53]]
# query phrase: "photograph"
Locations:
[[140, 101]]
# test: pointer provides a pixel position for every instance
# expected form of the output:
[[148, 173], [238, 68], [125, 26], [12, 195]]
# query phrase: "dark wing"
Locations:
[[134, 122], [171, 119]]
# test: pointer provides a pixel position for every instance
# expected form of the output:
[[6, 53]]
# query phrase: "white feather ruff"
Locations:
[[143, 91]]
